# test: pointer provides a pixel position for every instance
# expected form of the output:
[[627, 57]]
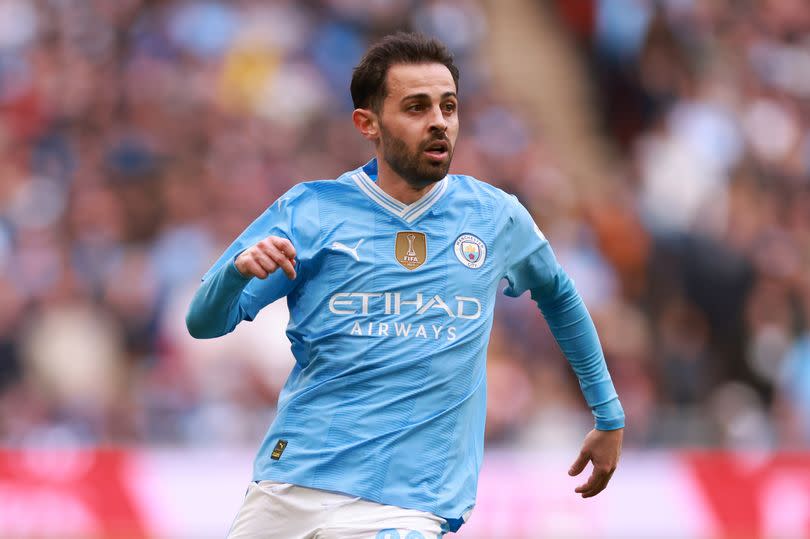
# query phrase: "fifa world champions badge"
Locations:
[[411, 249], [470, 251]]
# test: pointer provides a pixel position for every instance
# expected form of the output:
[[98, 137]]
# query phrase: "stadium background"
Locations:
[[663, 147]]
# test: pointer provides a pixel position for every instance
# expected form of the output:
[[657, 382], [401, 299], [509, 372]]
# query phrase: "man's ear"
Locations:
[[367, 123]]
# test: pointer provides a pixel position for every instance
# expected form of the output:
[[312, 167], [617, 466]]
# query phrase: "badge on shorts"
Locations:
[[470, 250], [278, 450]]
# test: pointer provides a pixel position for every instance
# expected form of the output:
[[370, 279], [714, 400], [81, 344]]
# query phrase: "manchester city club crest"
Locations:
[[470, 251]]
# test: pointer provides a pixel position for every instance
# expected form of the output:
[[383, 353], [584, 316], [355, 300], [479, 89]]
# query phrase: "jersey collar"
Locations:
[[408, 212]]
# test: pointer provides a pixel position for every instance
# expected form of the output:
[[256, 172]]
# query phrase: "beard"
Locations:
[[414, 167]]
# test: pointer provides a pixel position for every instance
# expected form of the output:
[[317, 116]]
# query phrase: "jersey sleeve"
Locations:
[[225, 297], [531, 265], [530, 262]]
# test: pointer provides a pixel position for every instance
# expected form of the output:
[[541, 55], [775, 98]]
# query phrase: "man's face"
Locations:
[[419, 122]]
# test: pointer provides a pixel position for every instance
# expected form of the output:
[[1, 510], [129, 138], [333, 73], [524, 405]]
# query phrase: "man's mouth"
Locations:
[[437, 149]]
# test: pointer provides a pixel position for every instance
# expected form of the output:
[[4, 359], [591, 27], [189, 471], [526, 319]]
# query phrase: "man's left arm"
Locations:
[[531, 265], [573, 328]]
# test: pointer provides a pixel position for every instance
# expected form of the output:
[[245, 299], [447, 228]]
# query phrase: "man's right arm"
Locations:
[[244, 278], [220, 303], [216, 308]]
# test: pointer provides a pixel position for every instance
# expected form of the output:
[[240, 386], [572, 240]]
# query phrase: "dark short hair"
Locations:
[[368, 79]]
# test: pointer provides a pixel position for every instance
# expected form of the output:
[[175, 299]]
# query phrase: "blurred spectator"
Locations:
[[136, 137]]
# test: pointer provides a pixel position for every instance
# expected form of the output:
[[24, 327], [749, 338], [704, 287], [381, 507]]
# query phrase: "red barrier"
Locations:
[[67, 494], [756, 494]]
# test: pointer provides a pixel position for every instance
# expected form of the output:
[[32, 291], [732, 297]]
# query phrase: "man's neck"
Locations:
[[396, 186]]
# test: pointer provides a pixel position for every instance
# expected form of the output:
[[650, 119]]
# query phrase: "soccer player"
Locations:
[[391, 273]]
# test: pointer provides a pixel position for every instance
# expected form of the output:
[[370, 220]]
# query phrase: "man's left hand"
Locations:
[[602, 447]]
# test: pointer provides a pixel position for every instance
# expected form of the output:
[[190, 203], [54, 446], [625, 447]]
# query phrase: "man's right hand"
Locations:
[[266, 257]]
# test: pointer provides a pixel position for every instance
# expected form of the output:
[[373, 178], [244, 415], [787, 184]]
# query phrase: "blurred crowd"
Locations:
[[138, 138]]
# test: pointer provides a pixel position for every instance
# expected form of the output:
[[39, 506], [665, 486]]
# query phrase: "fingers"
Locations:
[[265, 262], [596, 483], [266, 257], [284, 246], [253, 264], [288, 251], [579, 464], [281, 252], [603, 449]]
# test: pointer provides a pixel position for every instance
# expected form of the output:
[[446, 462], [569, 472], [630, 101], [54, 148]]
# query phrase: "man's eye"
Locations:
[[450, 107], [415, 107]]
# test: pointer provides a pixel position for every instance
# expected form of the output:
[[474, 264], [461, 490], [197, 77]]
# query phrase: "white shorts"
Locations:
[[274, 510]]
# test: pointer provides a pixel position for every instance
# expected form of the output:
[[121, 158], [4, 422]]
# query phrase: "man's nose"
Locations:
[[438, 121]]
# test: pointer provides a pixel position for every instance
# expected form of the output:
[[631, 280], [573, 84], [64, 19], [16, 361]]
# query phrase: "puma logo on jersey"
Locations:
[[337, 246]]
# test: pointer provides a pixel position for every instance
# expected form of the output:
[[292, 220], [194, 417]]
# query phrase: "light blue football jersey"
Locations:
[[390, 316]]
